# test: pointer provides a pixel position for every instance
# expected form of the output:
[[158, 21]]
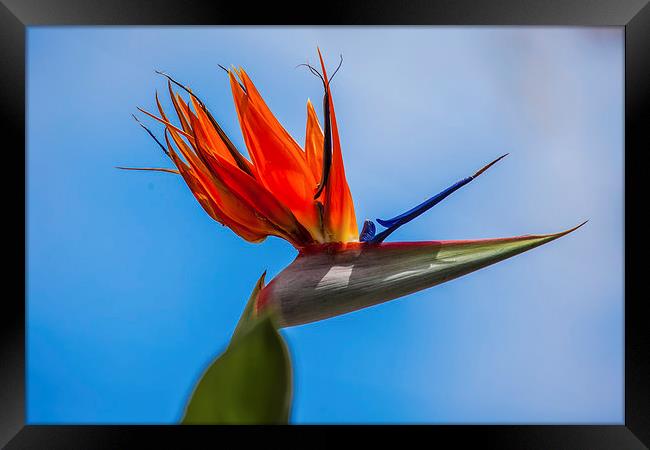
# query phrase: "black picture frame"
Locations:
[[16, 15]]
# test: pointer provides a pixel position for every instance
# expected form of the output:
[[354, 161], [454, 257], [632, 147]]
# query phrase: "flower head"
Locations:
[[301, 194], [297, 193]]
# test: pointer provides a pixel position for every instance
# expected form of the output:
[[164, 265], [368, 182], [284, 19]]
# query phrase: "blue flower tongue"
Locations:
[[424, 206], [368, 232]]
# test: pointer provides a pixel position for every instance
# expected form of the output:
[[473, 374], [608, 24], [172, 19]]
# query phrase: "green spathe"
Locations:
[[330, 281]]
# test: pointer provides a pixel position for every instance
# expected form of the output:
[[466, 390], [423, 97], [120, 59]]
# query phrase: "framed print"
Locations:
[[383, 220]]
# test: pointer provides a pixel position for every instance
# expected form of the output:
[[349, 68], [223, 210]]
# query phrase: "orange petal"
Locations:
[[257, 100], [211, 127], [216, 199], [197, 138], [206, 201], [214, 126], [279, 161], [202, 141], [210, 138], [166, 122], [179, 105], [265, 205], [210, 206], [314, 142], [340, 219]]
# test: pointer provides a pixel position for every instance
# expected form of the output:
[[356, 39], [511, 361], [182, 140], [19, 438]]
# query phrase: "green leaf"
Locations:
[[248, 315], [250, 382]]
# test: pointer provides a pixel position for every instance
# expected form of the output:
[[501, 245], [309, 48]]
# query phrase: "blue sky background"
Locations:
[[132, 288]]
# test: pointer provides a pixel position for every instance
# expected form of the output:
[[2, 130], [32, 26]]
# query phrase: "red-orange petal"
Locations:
[[314, 142], [207, 201], [232, 211], [210, 138], [269, 117], [179, 106], [215, 139], [266, 206], [279, 161], [340, 218]]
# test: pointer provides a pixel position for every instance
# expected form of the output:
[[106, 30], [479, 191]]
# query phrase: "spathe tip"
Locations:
[[570, 230], [559, 234]]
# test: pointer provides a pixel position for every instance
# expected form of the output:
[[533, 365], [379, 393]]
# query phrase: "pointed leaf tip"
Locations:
[[249, 383]]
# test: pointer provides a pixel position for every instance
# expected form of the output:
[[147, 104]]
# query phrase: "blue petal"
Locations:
[[396, 222], [368, 231], [424, 206]]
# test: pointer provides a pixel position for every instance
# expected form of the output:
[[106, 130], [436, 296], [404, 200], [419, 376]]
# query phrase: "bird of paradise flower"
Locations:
[[301, 194]]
